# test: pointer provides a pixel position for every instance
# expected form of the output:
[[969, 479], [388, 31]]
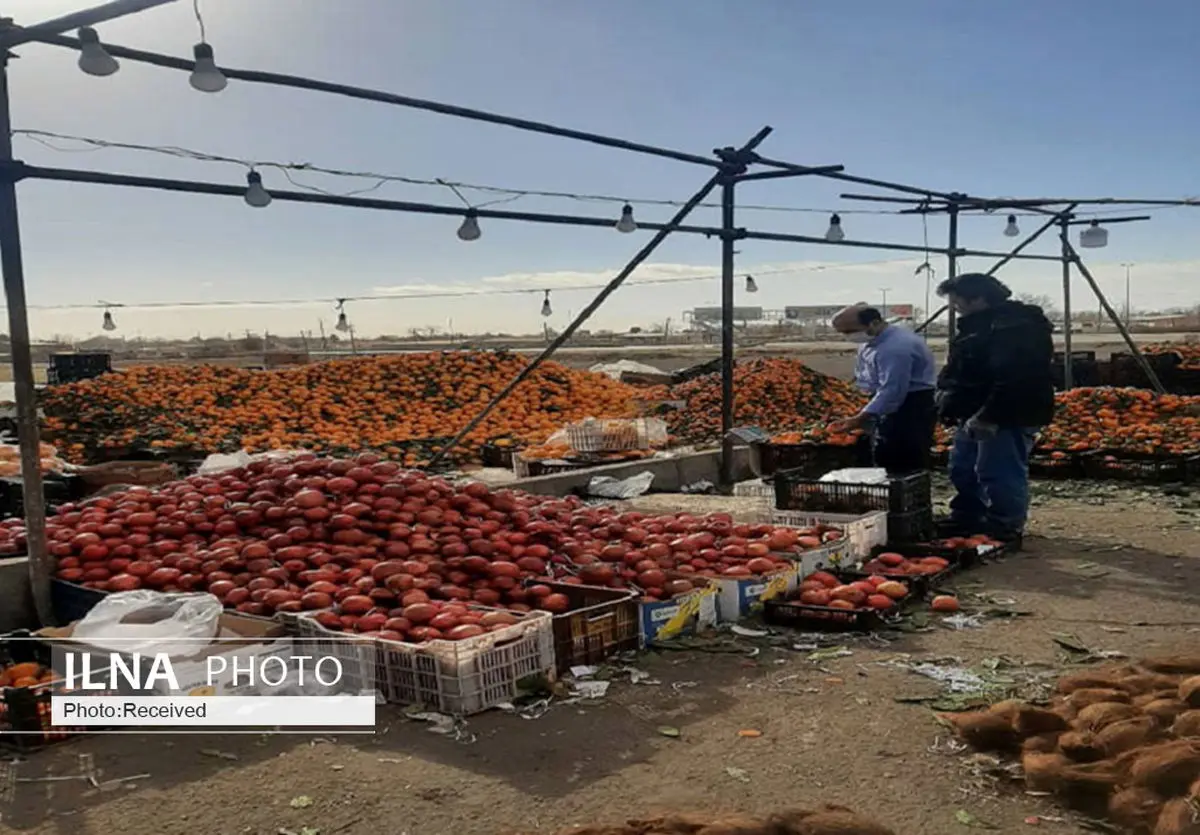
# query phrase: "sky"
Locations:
[[1023, 98]]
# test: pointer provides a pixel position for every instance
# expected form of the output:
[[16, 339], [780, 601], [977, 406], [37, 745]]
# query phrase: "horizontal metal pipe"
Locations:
[[961, 253], [1104, 221], [87, 17], [775, 175], [850, 178], [301, 83], [23, 171]]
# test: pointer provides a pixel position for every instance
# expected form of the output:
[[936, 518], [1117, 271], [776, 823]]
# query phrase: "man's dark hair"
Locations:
[[869, 316], [975, 286]]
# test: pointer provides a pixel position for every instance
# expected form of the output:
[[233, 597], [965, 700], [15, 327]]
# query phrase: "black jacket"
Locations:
[[999, 367]]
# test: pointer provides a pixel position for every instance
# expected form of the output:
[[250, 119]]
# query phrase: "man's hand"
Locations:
[[850, 424], [980, 430]]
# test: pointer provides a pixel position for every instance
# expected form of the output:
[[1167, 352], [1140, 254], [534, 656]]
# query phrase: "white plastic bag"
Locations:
[[148, 622], [857, 475], [607, 487], [219, 462]]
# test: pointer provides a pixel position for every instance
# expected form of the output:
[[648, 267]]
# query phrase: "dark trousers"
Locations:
[[902, 440], [992, 481]]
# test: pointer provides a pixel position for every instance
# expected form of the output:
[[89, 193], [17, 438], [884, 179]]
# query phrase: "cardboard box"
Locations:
[[740, 598], [667, 619]]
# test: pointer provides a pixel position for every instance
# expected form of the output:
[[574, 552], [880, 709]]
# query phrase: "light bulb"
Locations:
[[834, 232], [751, 284], [256, 195], [93, 58], [343, 324], [109, 324], [469, 231], [1094, 236], [546, 309], [627, 223], [1011, 230], [205, 76]]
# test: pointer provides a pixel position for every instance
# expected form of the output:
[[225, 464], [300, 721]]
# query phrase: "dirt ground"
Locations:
[[851, 729]]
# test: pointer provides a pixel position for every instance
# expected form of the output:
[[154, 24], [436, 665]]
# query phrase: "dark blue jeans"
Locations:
[[991, 479]]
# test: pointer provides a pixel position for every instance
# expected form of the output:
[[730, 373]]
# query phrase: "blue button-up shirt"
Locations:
[[891, 366]]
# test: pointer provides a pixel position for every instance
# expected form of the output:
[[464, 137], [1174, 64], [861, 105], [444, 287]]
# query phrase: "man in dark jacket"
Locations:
[[996, 389]]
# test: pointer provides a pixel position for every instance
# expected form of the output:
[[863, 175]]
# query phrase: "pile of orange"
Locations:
[[405, 406], [1125, 419], [776, 394], [1188, 352]]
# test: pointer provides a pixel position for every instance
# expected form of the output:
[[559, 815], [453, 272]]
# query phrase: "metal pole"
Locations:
[[34, 498], [301, 83], [727, 359], [1127, 266], [1116, 320], [952, 268], [88, 17], [1068, 358]]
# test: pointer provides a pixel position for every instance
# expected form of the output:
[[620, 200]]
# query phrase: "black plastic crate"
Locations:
[[916, 526], [494, 455], [25, 711], [71, 601], [1056, 464], [69, 368], [905, 494], [811, 460], [602, 622], [820, 618], [56, 489], [1148, 467]]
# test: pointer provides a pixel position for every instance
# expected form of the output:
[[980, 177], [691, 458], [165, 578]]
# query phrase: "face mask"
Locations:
[[859, 337]]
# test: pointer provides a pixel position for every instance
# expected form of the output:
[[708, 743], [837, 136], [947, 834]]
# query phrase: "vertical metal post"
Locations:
[[22, 365], [1064, 228], [952, 268], [727, 358]]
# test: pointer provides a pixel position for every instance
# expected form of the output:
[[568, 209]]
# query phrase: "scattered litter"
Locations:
[[956, 679], [748, 633], [590, 689], [440, 723], [749, 733], [702, 487], [390, 760], [963, 621], [221, 755], [668, 731], [739, 774], [336, 767], [829, 654], [683, 685], [301, 802], [584, 671], [637, 676], [967, 819]]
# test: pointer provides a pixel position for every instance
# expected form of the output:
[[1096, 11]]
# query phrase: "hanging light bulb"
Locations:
[[627, 223], [256, 195], [546, 308], [93, 57], [469, 231], [205, 76], [1094, 236], [109, 324], [834, 232], [1011, 230], [343, 324], [751, 284]]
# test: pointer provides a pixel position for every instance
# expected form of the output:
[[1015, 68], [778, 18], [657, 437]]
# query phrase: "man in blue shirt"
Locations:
[[896, 368]]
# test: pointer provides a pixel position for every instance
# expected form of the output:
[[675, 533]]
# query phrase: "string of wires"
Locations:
[[501, 194], [453, 294]]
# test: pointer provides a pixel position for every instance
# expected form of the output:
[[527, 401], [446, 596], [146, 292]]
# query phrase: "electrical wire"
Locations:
[[449, 294], [47, 139], [199, 21]]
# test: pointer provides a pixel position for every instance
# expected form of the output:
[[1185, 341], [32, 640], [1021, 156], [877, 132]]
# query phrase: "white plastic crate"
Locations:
[[755, 489], [616, 435], [455, 677], [863, 532]]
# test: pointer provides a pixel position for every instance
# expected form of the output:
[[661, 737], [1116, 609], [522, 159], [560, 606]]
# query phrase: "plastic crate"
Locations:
[[71, 601], [1056, 464], [741, 597], [454, 677], [69, 368], [820, 618], [863, 531], [526, 468], [25, 719], [616, 435], [914, 527], [1128, 466], [796, 491], [662, 620], [811, 460], [493, 455], [920, 586], [602, 622]]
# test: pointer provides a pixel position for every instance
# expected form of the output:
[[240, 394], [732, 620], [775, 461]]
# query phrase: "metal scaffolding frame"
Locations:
[[728, 167]]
